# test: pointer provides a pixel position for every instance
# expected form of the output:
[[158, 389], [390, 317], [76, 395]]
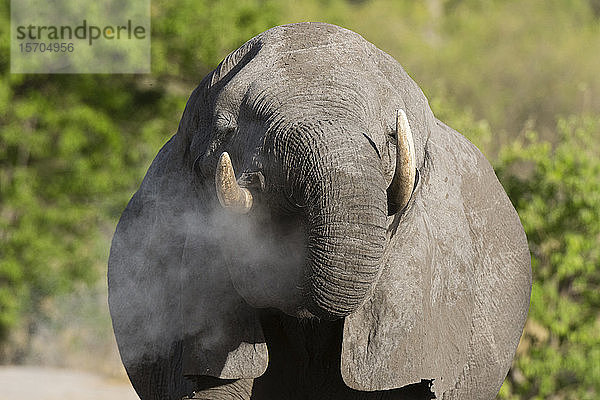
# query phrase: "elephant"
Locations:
[[313, 231]]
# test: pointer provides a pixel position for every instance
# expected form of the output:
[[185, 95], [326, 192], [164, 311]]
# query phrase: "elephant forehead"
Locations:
[[307, 35], [307, 55], [318, 53], [335, 78]]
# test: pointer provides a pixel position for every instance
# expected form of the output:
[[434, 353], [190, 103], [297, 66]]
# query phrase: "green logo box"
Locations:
[[80, 36]]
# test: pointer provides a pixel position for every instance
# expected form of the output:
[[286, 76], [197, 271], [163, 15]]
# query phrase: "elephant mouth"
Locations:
[[265, 254]]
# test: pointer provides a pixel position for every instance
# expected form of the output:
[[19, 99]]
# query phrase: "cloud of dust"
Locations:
[[183, 268]]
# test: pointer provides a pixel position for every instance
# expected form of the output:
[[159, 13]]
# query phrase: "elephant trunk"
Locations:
[[346, 216]]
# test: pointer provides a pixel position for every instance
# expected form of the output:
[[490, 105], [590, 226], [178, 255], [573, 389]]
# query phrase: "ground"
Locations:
[[60, 384]]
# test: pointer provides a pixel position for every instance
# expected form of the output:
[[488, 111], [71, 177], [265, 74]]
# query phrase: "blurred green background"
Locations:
[[521, 79]]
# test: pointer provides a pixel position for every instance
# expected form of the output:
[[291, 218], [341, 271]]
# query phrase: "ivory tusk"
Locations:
[[231, 195], [403, 182]]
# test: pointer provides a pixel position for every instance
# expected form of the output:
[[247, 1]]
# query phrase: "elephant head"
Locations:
[[309, 175]]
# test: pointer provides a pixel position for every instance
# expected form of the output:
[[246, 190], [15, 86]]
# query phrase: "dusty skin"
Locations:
[[60, 384]]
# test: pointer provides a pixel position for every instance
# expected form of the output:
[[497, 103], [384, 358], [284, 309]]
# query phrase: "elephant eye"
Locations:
[[252, 180], [225, 123], [372, 143], [417, 179]]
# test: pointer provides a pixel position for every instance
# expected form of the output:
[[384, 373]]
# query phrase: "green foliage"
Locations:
[[59, 149], [556, 190], [190, 37], [463, 120]]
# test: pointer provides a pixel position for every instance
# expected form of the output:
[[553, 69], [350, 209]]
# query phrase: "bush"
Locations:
[[556, 190]]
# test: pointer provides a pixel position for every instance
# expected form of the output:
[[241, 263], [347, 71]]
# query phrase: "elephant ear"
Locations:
[[173, 307], [454, 291]]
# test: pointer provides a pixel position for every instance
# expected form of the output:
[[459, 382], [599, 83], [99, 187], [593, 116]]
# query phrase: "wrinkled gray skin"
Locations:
[[317, 293]]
